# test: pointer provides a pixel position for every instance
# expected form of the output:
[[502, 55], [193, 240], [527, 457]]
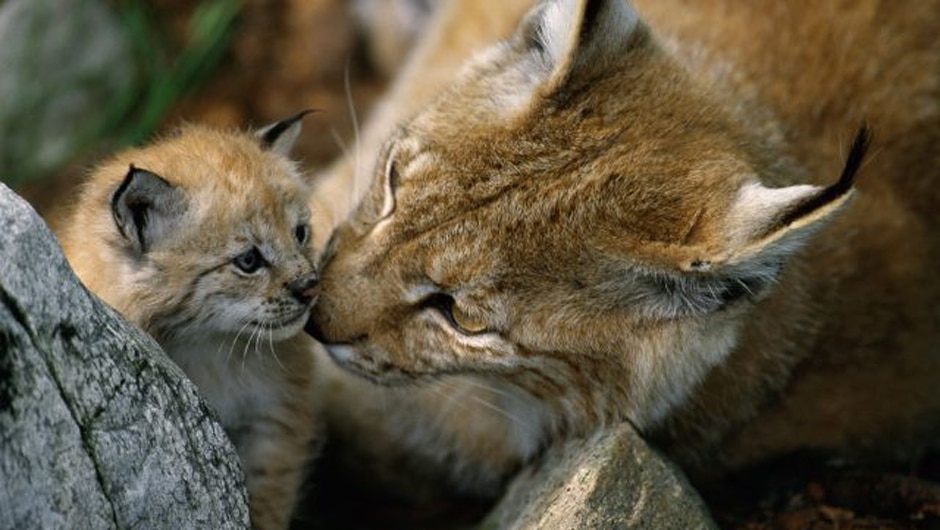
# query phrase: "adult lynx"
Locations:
[[644, 214]]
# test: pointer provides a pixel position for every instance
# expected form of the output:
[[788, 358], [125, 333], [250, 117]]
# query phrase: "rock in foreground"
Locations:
[[98, 428], [613, 480]]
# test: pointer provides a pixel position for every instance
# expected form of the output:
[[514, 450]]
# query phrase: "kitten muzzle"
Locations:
[[305, 289]]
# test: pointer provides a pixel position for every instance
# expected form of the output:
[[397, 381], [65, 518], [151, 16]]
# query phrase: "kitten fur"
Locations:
[[642, 212], [202, 239]]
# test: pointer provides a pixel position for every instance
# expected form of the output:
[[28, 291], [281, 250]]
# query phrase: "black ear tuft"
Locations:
[[145, 207], [857, 153], [280, 136], [846, 180]]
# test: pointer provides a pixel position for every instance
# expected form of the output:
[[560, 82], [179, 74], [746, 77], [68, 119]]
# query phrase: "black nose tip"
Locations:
[[305, 289]]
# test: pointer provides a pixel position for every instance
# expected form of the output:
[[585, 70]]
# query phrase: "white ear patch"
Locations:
[[756, 204], [564, 22], [556, 32]]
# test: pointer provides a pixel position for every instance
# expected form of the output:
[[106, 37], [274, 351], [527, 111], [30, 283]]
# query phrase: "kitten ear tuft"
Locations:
[[145, 208], [280, 136]]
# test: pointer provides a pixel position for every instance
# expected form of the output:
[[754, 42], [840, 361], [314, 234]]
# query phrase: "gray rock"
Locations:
[[98, 428], [67, 73], [612, 480]]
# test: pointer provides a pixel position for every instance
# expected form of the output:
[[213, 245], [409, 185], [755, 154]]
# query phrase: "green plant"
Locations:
[[65, 88], [165, 76]]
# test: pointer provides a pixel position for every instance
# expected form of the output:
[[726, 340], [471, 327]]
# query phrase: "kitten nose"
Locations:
[[305, 289]]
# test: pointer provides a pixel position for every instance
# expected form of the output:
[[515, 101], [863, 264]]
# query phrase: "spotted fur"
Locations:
[[203, 239], [648, 208]]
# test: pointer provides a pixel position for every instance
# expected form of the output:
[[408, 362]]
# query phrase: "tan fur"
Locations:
[[185, 291], [565, 200]]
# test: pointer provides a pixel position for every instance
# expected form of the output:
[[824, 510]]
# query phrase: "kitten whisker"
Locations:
[[274, 353], [247, 347], [260, 335], [271, 339], [234, 341]]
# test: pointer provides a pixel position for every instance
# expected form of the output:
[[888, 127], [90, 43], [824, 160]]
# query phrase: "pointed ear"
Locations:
[[765, 227], [765, 221], [146, 208], [570, 35], [281, 136]]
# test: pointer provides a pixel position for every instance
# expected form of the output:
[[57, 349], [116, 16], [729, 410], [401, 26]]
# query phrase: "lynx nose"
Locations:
[[305, 288]]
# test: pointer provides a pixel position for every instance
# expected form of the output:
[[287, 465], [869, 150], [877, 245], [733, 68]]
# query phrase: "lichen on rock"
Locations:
[[98, 428]]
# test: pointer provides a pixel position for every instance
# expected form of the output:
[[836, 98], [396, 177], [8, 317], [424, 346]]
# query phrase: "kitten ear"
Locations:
[[570, 35], [281, 136], [763, 229], [146, 208]]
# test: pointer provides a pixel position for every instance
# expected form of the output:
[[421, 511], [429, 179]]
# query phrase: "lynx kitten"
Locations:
[[203, 240]]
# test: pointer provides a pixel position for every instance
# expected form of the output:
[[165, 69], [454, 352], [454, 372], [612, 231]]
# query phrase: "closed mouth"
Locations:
[[283, 323]]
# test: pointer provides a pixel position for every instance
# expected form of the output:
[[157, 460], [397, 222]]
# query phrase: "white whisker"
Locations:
[[498, 409], [498, 391], [258, 340], [449, 393], [357, 161], [273, 352], [234, 340], [506, 395], [271, 339], [339, 142], [247, 347]]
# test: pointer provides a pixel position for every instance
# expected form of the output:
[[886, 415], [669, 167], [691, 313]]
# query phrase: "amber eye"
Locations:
[[466, 322], [461, 320]]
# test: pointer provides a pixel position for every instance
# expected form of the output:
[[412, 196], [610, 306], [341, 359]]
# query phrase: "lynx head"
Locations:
[[203, 232], [576, 216]]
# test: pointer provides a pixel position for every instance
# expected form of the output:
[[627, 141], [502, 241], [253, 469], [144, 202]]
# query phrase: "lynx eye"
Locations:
[[390, 186], [250, 262], [302, 233], [461, 320]]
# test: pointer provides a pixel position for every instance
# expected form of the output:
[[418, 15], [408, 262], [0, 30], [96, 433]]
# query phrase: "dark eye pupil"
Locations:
[[250, 261], [301, 233], [441, 302]]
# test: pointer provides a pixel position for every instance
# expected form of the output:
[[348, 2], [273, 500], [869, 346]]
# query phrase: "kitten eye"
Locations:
[[251, 261], [302, 233], [458, 318]]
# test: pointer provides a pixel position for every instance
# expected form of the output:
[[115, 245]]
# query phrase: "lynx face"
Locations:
[[574, 216], [213, 234]]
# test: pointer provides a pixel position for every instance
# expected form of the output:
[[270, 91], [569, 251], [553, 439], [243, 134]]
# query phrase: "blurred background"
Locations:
[[80, 79]]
